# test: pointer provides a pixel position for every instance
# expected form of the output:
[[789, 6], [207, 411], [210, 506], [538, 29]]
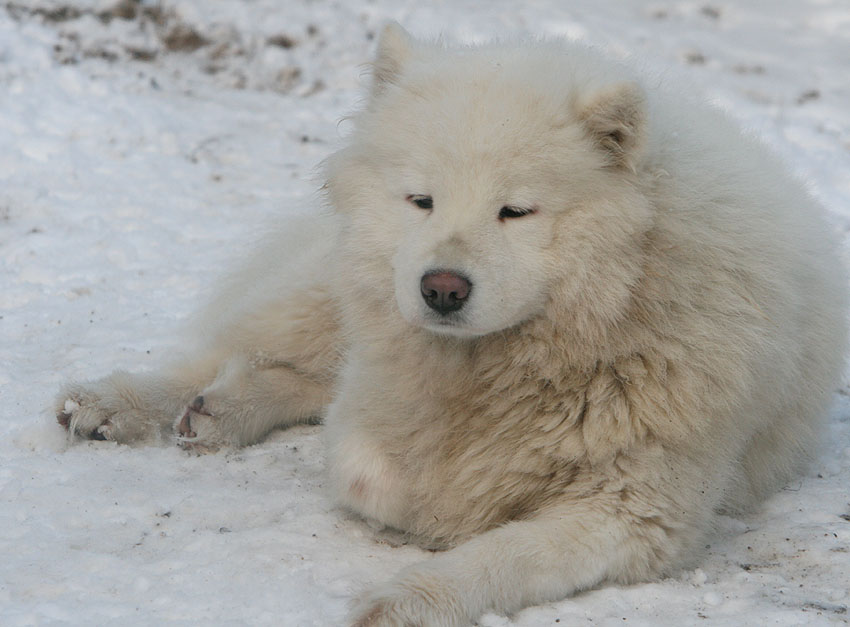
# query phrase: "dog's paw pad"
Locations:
[[184, 427], [197, 429]]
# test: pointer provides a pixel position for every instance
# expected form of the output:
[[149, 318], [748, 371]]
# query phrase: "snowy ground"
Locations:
[[140, 143]]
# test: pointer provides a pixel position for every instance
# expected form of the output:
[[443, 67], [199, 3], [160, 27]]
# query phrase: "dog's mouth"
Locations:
[[454, 326]]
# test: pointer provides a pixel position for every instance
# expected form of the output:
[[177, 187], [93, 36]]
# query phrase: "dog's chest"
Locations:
[[446, 467]]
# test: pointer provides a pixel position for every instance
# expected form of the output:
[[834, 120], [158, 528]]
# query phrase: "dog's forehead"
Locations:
[[487, 96], [467, 123], [465, 115]]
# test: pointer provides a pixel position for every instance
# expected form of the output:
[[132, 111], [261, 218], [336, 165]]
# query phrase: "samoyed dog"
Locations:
[[555, 318]]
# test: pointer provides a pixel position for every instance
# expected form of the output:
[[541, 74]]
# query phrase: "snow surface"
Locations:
[[140, 143]]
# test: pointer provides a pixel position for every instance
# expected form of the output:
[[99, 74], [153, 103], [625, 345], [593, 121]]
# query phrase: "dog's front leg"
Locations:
[[566, 549]]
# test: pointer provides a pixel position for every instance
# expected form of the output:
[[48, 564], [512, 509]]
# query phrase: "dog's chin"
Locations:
[[451, 329], [455, 325], [450, 326]]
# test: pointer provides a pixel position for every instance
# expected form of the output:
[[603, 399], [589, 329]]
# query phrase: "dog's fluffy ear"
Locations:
[[395, 47], [615, 117]]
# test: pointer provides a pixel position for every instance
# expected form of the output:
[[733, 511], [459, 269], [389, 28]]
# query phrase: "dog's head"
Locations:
[[493, 181]]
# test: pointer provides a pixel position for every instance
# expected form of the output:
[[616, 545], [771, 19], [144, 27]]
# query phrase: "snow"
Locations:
[[136, 154]]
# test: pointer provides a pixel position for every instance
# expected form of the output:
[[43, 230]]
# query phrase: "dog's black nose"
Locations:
[[445, 292]]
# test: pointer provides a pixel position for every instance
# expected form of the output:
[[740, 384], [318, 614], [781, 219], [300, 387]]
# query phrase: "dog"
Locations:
[[555, 316]]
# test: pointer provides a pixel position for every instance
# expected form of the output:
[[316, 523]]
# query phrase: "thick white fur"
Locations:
[[657, 342]]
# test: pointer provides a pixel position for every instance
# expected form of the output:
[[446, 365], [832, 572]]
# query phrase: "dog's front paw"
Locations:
[[418, 601]]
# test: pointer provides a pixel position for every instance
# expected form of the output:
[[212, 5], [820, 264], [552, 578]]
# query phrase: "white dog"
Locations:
[[555, 319]]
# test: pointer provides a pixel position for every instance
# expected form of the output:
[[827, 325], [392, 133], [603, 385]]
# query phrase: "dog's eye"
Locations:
[[514, 212], [421, 200]]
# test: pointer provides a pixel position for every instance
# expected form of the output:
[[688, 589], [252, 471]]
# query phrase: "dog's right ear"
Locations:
[[395, 47]]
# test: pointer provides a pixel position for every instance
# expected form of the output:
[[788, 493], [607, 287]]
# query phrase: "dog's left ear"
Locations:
[[395, 47], [615, 117]]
